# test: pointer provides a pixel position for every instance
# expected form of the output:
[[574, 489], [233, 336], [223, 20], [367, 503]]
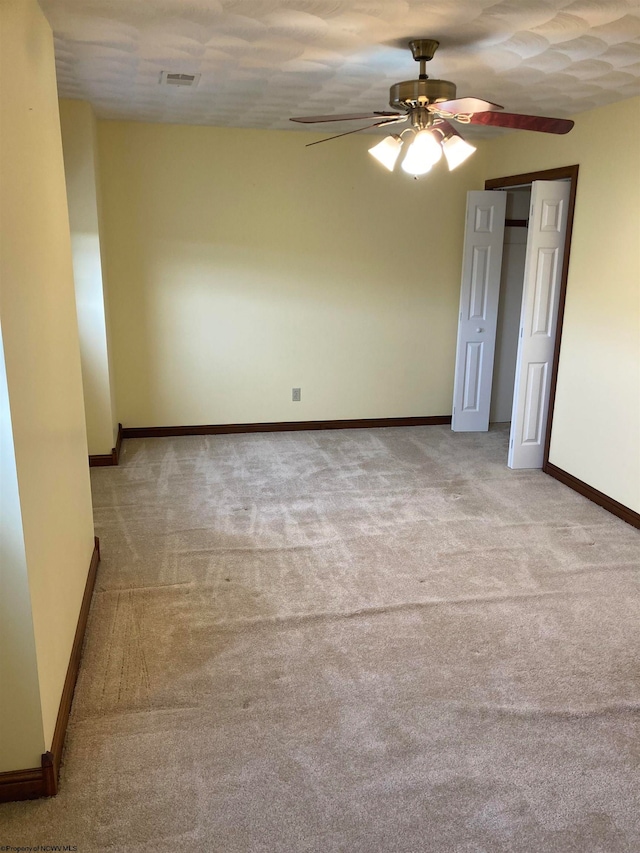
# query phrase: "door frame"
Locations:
[[562, 173]]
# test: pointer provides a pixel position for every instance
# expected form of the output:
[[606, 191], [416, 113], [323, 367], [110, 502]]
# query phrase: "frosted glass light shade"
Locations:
[[456, 150], [423, 152], [387, 151]]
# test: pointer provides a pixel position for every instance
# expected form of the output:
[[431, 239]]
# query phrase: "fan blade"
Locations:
[[357, 130], [464, 105], [523, 122], [349, 117]]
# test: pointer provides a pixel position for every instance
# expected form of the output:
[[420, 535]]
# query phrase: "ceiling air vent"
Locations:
[[170, 78]]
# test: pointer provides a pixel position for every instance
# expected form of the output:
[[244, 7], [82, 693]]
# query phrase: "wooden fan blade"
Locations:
[[464, 105], [357, 130], [523, 122], [349, 117]]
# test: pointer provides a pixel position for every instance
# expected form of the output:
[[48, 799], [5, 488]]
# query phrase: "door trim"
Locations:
[[561, 173]]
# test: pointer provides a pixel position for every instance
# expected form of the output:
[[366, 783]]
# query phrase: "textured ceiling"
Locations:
[[262, 61]]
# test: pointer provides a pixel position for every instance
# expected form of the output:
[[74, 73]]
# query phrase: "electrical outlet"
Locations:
[[295, 395]]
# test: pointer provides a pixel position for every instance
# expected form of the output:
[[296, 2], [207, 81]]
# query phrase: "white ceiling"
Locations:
[[263, 61]]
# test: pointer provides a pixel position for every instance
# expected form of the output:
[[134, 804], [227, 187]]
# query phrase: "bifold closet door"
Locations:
[[538, 322], [479, 296]]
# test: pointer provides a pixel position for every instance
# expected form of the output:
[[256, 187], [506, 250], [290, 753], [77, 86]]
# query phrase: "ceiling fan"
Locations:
[[430, 106]]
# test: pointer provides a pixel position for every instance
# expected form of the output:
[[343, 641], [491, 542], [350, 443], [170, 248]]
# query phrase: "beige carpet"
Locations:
[[362, 641]]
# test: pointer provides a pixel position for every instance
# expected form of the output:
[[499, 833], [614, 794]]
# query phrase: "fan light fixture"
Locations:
[[423, 151], [456, 150], [387, 151]]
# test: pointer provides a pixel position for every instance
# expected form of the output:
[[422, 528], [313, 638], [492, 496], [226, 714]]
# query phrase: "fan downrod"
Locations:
[[419, 94], [423, 51]]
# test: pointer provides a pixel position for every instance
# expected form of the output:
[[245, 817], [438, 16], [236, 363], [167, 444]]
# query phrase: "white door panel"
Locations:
[[479, 295], [538, 322]]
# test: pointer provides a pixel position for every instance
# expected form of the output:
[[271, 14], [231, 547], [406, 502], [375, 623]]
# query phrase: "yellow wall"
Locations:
[[596, 428], [242, 264], [79, 144], [21, 734], [38, 316]]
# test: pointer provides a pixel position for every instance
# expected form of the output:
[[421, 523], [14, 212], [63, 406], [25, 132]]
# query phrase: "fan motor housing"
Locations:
[[420, 93]]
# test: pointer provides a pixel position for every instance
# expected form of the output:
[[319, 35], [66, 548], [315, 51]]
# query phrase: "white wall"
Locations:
[[596, 428], [242, 264], [41, 349], [79, 145]]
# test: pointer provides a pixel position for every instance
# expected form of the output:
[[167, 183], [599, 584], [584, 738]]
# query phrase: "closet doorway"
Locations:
[[514, 276]]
